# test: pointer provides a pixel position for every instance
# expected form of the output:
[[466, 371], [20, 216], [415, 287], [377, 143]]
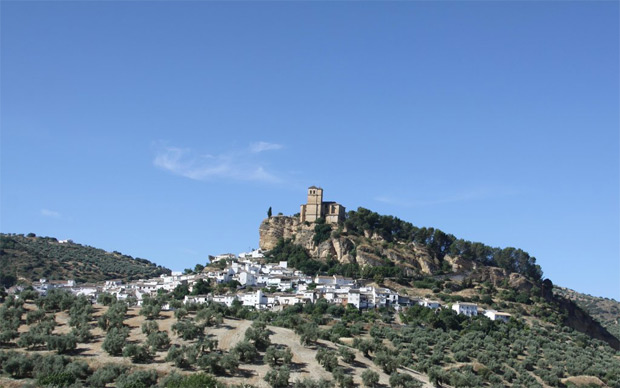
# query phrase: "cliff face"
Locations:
[[273, 229], [366, 250]]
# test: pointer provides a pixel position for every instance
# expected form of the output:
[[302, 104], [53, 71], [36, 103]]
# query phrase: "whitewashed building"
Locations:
[[200, 299], [431, 304], [225, 299], [246, 279], [256, 299], [469, 309], [496, 315]]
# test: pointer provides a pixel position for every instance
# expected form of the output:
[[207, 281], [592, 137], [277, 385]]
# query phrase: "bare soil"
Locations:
[[227, 334]]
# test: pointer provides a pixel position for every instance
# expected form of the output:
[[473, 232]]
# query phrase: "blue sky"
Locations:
[[165, 130]]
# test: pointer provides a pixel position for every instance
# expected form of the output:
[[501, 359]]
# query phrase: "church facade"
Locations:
[[332, 212]]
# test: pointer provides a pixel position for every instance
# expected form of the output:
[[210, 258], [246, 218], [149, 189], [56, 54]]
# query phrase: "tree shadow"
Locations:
[[245, 373], [79, 352], [298, 366]]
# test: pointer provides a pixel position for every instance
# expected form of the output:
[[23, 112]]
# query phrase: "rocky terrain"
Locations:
[[370, 249]]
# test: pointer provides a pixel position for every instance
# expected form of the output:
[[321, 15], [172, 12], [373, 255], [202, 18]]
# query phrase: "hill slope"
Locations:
[[604, 310], [31, 258], [372, 246]]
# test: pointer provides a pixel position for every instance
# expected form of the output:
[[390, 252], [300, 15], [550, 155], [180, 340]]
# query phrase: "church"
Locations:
[[332, 212]]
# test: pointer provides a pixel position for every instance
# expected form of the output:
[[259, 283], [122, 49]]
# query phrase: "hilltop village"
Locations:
[[254, 282], [263, 286]]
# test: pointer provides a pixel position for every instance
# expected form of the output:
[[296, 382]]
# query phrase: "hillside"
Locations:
[[31, 258], [319, 343], [372, 246], [604, 310]]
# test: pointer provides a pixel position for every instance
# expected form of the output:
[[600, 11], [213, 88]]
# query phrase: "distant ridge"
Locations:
[[29, 258]]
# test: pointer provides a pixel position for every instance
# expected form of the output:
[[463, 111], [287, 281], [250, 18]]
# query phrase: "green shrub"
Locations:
[[139, 354], [114, 341], [62, 379], [194, 380], [138, 379], [370, 378], [278, 377]]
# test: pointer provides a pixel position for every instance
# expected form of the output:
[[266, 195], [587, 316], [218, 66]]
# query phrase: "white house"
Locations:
[[496, 315], [384, 297], [196, 299], [224, 299], [343, 282], [255, 299], [338, 296], [86, 291], [324, 279], [469, 309], [112, 284], [255, 254], [357, 299], [274, 281], [247, 279], [224, 276], [262, 279], [335, 280], [431, 304], [308, 295], [288, 299], [285, 284]]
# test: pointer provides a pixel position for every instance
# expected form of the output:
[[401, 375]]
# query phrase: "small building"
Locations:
[[247, 279], [255, 299], [496, 315], [469, 309], [224, 299], [200, 299], [319, 279], [431, 304], [357, 299]]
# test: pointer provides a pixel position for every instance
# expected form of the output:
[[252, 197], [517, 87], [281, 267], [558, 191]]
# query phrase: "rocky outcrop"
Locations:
[[368, 250], [276, 228], [499, 277], [460, 265]]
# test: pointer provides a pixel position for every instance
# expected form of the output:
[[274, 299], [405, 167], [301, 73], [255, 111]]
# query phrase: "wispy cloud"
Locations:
[[50, 213], [240, 165], [462, 196], [264, 146]]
